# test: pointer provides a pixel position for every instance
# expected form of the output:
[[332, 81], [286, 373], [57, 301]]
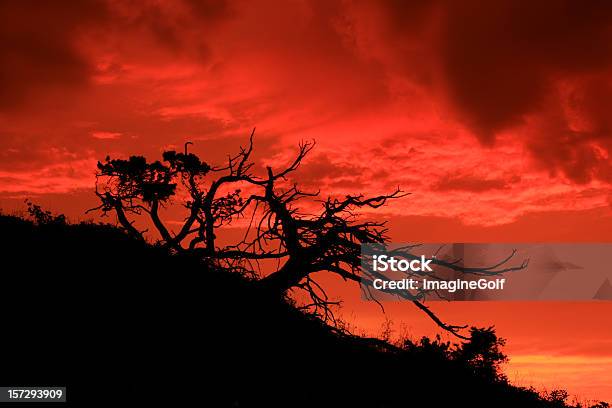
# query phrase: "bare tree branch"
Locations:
[[282, 246]]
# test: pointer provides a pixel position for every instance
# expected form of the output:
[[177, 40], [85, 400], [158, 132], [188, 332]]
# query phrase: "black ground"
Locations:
[[118, 321]]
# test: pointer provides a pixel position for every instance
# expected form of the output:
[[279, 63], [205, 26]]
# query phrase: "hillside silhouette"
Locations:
[[117, 319]]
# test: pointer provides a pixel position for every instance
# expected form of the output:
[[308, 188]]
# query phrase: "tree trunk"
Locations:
[[284, 279]]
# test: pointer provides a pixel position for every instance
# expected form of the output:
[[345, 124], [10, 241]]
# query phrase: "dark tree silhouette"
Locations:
[[483, 353], [44, 217], [283, 245]]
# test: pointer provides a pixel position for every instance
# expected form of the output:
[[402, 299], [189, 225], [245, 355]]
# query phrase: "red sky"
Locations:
[[493, 114]]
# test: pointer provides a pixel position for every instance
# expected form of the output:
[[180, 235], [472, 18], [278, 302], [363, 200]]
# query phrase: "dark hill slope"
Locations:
[[116, 320]]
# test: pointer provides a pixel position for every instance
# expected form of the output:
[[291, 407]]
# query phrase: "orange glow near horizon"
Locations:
[[494, 115]]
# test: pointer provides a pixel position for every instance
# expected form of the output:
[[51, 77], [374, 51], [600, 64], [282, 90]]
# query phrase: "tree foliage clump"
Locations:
[[44, 217]]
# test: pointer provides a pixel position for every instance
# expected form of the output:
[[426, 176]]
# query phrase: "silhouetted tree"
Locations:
[[283, 246], [483, 353], [558, 398], [44, 217]]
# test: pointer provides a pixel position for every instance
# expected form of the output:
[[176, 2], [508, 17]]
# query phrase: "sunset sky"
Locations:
[[494, 115]]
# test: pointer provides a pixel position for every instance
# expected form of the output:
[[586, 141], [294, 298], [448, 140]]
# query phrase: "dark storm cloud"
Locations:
[[473, 183], [494, 66], [321, 167], [580, 151], [500, 58], [502, 62], [42, 45], [37, 46], [180, 27]]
